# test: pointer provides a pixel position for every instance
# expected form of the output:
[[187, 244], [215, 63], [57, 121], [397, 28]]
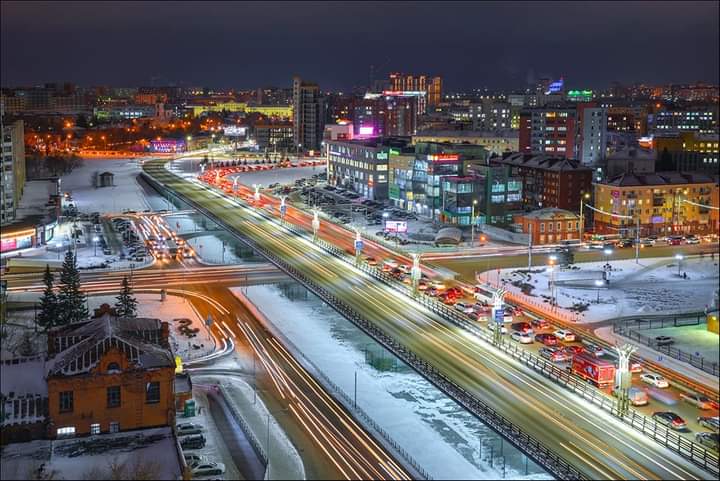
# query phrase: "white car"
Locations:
[[521, 337], [491, 325], [184, 429], [208, 469], [565, 335], [465, 307], [193, 460], [655, 379]]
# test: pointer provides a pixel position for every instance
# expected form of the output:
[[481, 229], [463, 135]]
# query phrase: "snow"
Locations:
[[413, 411], [126, 193], [36, 194], [277, 176], [209, 250], [155, 449], [24, 378], [174, 307], [650, 287]]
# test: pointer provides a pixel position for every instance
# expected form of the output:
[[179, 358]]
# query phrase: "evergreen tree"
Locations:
[[71, 300], [126, 305], [48, 315]]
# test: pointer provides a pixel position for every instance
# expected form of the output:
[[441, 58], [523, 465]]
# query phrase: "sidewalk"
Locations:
[[685, 369]]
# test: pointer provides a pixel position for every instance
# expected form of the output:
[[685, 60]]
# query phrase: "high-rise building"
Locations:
[[591, 136], [431, 86], [548, 130], [702, 119], [12, 169], [308, 115]]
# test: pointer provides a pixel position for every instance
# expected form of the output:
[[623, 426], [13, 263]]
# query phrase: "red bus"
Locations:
[[598, 371]]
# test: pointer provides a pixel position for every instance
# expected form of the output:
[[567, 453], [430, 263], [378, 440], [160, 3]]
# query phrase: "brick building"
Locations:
[[550, 225], [549, 181]]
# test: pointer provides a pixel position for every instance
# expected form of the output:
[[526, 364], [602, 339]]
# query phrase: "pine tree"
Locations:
[[126, 305], [48, 315], [71, 301]]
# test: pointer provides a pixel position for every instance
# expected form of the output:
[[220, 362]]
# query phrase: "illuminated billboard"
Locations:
[[555, 87], [367, 131], [234, 131], [167, 146], [398, 226]]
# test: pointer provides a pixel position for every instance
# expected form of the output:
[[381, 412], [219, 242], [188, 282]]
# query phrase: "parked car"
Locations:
[[565, 335], [184, 429], [193, 460], [547, 339], [709, 440], [664, 340], [710, 422], [208, 469], [521, 337], [655, 379], [702, 402], [193, 442], [669, 419]]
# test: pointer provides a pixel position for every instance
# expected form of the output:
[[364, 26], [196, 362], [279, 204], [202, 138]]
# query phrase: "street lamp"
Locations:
[[551, 261], [95, 240], [679, 258], [472, 223], [598, 283], [608, 253], [585, 197], [58, 246]]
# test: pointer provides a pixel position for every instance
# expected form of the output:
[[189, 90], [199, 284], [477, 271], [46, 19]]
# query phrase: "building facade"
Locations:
[[432, 86], [496, 142], [275, 137], [665, 202], [549, 225], [12, 170], [308, 115], [687, 151], [591, 137], [548, 131], [702, 119]]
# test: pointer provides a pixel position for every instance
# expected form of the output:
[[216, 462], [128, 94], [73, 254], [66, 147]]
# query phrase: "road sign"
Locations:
[[209, 320], [358, 245], [499, 315]]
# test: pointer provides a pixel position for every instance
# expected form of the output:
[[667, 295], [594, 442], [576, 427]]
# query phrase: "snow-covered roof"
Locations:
[[23, 378], [551, 213], [662, 178]]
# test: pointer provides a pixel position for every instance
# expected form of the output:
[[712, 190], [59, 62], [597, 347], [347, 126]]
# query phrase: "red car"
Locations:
[[455, 291], [573, 350], [547, 339], [540, 324]]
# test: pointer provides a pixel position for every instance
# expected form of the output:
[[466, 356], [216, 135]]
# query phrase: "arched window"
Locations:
[[113, 368]]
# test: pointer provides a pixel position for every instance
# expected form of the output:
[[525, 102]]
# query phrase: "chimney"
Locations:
[[165, 334]]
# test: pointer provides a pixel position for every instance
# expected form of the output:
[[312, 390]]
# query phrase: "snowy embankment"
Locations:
[[414, 412], [651, 286]]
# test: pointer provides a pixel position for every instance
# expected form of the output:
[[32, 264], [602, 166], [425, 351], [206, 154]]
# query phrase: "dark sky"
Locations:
[[251, 44]]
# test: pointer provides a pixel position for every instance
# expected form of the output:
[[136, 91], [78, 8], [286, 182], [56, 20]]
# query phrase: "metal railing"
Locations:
[[630, 330], [524, 442], [244, 426]]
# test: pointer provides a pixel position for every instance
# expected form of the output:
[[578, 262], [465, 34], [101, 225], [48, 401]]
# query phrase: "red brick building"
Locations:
[[549, 226], [548, 131], [549, 181]]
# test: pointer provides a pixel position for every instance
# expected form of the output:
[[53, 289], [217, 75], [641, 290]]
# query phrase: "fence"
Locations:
[[629, 329], [523, 441], [245, 428]]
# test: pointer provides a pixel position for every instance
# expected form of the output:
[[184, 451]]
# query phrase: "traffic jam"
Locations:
[[148, 234], [690, 413]]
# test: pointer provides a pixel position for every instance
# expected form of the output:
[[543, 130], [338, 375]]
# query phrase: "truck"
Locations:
[[597, 371], [172, 248]]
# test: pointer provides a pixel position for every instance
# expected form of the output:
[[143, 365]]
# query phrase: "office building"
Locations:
[[702, 119], [275, 136], [12, 173], [431, 86], [491, 115], [308, 115], [495, 141], [687, 152], [591, 136], [548, 131], [549, 181], [665, 202]]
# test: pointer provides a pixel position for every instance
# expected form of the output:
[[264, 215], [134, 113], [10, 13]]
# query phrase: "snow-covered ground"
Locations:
[[35, 195], [126, 193], [696, 340], [174, 307], [650, 287], [414, 412], [277, 176], [146, 454]]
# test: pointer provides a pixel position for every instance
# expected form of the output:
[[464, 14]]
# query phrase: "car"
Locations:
[[193, 442], [709, 440], [547, 339], [669, 419], [523, 327], [554, 354], [636, 367], [649, 242], [664, 340], [447, 299], [208, 468], [594, 349], [636, 396], [692, 239], [521, 337], [193, 460], [702, 402], [655, 379], [371, 261], [492, 326], [455, 291], [540, 324], [675, 240], [573, 350], [565, 335], [623, 243], [710, 422], [465, 307], [184, 429]]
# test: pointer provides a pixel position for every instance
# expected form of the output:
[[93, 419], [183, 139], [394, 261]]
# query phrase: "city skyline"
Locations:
[[594, 44]]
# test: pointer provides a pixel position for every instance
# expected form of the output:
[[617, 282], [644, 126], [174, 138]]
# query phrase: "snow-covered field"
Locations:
[[650, 287], [280, 176], [415, 413]]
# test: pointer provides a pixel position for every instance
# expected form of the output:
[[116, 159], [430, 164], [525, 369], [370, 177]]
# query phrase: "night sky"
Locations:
[[247, 45]]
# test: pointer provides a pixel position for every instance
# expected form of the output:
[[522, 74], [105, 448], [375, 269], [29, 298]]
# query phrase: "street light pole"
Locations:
[[598, 284], [679, 258], [582, 217], [472, 223]]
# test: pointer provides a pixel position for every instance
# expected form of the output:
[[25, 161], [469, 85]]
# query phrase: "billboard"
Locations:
[[398, 226], [167, 146], [234, 131]]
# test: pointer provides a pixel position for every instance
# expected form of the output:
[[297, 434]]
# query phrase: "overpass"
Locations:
[[558, 430]]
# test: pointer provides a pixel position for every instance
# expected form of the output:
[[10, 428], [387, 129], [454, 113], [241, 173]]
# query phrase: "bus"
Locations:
[[485, 295], [571, 243], [601, 241], [172, 247]]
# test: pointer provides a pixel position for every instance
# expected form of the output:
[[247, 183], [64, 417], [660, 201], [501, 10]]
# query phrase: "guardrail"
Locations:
[[245, 428], [629, 329], [557, 466]]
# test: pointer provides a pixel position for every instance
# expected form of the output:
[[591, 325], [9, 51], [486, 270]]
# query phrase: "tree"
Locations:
[[126, 305], [48, 315], [81, 121], [71, 301]]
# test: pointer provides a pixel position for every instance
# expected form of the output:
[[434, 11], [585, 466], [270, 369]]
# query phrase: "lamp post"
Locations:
[[95, 240], [598, 284], [315, 224], [415, 272], [585, 197], [623, 377], [679, 258], [472, 223], [551, 261]]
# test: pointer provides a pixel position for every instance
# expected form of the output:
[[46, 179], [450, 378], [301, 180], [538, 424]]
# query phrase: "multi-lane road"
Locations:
[[600, 446]]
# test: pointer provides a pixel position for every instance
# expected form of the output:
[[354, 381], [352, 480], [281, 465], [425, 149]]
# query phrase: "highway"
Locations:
[[600, 446]]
